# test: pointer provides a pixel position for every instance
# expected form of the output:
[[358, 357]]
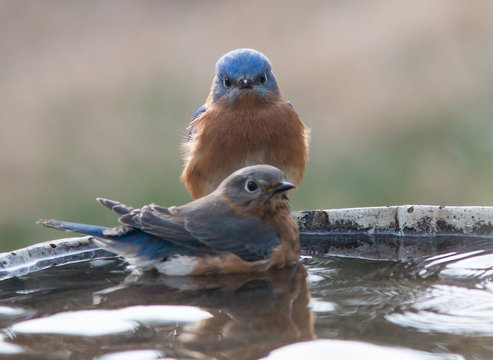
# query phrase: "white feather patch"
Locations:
[[177, 265]]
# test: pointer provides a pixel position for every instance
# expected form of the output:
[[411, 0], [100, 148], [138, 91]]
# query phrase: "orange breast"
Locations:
[[228, 137]]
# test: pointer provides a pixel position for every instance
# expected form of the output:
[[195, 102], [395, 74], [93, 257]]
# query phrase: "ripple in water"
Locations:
[[459, 302]]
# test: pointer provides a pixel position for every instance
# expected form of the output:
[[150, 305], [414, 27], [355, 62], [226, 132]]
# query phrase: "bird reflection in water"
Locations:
[[253, 314]]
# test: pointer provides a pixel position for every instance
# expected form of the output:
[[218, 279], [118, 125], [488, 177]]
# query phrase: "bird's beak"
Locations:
[[245, 84], [281, 187]]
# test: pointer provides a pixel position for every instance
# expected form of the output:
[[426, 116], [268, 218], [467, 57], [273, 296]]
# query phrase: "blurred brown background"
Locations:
[[95, 97]]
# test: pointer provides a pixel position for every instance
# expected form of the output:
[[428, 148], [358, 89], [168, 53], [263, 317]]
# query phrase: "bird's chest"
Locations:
[[247, 134]]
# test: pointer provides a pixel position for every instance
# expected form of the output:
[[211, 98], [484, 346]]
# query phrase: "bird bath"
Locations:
[[407, 282]]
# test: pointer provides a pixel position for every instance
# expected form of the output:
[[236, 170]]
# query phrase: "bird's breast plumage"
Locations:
[[228, 137]]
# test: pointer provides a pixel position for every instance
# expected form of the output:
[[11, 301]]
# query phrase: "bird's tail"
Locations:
[[93, 230], [137, 247]]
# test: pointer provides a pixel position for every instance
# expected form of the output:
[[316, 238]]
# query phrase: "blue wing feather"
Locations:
[[199, 112]]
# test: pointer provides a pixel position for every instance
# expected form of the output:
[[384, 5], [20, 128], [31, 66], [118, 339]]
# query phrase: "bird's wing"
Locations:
[[226, 231], [161, 222], [199, 112], [210, 228]]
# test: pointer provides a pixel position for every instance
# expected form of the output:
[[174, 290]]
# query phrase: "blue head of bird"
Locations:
[[257, 189], [243, 73]]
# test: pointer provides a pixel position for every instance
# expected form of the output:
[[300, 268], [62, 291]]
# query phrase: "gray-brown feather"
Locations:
[[115, 206]]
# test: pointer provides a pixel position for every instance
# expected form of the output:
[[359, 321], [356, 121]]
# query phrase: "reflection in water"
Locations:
[[351, 350], [133, 355], [110, 322], [247, 316], [252, 313]]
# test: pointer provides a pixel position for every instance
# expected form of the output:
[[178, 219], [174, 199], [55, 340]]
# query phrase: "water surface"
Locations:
[[435, 307]]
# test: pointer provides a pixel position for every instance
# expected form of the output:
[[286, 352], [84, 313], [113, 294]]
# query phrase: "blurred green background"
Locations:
[[95, 97]]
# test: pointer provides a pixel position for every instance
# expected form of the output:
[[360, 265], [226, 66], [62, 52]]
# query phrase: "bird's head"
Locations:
[[257, 189], [241, 72]]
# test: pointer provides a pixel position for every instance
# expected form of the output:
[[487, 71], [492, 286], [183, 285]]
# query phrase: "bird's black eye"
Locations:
[[251, 186], [227, 82], [263, 79]]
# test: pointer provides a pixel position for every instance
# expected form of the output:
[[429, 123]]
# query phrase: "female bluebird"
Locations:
[[244, 121], [243, 226]]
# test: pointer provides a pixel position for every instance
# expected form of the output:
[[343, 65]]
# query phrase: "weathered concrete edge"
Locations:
[[47, 254], [404, 219]]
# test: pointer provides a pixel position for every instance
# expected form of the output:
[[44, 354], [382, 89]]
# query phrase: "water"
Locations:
[[434, 307]]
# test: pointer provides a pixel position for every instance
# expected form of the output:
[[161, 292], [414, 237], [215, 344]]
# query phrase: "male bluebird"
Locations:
[[243, 226], [244, 121]]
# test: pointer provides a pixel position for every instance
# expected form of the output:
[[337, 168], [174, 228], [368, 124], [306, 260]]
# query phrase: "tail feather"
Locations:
[[128, 244], [85, 229]]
